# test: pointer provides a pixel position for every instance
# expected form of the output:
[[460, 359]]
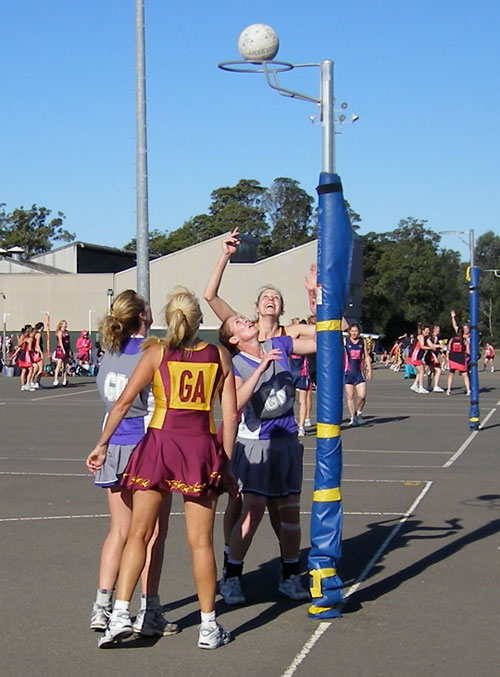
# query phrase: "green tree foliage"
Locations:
[[409, 279], [31, 229], [289, 211], [487, 257], [279, 217]]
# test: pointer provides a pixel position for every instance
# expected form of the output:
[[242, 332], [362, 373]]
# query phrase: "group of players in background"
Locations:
[[426, 356]]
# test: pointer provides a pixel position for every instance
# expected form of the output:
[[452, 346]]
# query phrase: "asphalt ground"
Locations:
[[420, 563]]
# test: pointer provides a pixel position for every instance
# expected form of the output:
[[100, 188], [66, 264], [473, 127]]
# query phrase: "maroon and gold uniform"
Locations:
[[180, 451]]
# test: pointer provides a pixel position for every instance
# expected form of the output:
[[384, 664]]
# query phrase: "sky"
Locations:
[[421, 75]]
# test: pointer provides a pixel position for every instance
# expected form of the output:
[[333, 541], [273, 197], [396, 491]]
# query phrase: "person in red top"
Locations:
[[458, 354], [489, 356], [83, 347]]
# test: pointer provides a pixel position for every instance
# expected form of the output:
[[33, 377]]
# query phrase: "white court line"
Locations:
[[389, 538], [461, 449], [47, 474], [20, 458], [323, 627], [49, 518], [473, 434], [306, 649], [487, 418], [386, 465], [52, 397]]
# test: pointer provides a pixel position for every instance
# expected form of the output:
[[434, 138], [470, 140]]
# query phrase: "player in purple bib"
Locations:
[[122, 332], [267, 458], [357, 363]]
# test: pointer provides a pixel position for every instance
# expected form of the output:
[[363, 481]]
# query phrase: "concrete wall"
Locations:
[[70, 297], [66, 297], [64, 258]]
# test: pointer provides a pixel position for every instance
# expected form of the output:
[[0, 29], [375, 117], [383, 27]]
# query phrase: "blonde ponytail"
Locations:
[[122, 321]]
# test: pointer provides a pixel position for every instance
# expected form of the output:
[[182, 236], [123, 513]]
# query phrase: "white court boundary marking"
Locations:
[[48, 518], [471, 437], [323, 627], [52, 397]]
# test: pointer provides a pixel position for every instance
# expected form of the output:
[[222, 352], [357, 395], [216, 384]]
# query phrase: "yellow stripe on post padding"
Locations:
[[326, 495], [326, 430], [318, 609], [329, 325], [317, 575]]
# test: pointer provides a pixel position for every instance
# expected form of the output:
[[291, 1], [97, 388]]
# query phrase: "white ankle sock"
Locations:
[[104, 597], [208, 619]]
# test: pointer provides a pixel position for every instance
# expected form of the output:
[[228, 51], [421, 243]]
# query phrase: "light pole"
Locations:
[[472, 278], [334, 261], [142, 217], [90, 322]]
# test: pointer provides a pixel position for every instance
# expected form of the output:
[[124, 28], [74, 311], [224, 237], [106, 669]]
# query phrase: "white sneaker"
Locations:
[[152, 623], [230, 589], [438, 389], [292, 587], [353, 422], [422, 391], [120, 627], [300, 431], [414, 387], [448, 392], [210, 637]]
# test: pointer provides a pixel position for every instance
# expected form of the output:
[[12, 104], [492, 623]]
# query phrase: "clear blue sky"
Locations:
[[422, 76]]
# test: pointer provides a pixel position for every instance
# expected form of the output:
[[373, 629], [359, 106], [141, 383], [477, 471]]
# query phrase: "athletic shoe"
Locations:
[[152, 623], [492, 370], [212, 637], [119, 627], [56, 383], [359, 419], [414, 387], [448, 392], [292, 587], [468, 393], [308, 426], [230, 589], [438, 389], [353, 422], [422, 391], [99, 617], [300, 431], [35, 385], [24, 387]]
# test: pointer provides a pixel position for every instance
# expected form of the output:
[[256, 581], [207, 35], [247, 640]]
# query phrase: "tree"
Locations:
[[240, 205], [32, 230], [408, 279], [289, 211], [487, 257], [354, 217]]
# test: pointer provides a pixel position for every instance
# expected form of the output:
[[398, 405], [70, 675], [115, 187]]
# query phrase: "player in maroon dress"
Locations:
[[180, 452]]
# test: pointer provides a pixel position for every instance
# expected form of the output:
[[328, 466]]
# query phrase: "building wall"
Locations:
[[71, 296], [66, 297], [64, 258]]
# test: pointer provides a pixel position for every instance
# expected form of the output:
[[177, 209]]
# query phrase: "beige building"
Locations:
[[54, 286]]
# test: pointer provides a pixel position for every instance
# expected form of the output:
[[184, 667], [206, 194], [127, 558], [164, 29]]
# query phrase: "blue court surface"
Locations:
[[421, 548]]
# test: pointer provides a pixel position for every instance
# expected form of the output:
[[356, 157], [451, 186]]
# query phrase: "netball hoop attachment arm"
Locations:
[[271, 71]]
